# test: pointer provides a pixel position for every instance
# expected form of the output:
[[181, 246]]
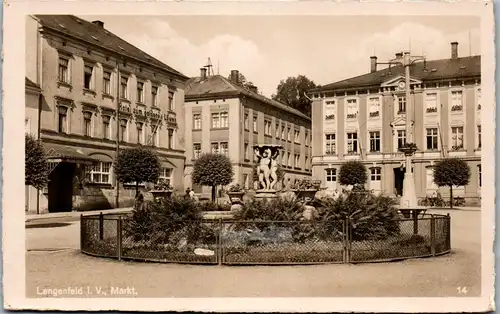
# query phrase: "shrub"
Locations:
[[213, 206], [213, 170], [36, 168], [353, 173], [451, 172], [371, 216], [137, 165]]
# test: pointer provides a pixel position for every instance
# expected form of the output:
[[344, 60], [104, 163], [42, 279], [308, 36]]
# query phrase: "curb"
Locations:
[[30, 218]]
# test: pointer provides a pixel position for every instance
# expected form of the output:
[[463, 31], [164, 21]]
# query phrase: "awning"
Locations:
[[56, 153]]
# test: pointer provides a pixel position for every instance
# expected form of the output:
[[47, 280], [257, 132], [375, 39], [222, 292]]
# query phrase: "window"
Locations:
[[165, 175], [331, 175], [289, 158], [106, 82], [457, 137], [456, 100], [171, 101], [87, 123], [246, 121], [170, 138], [87, 77], [401, 138], [255, 123], [27, 126], [478, 136], [62, 119], [196, 150], [330, 109], [330, 144], [106, 131], [431, 185], [197, 121], [289, 135], [479, 178], [352, 108], [154, 135], [297, 161], [432, 139], [306, 138], [478, 99], [246, 151], [220, 120], [307, 163], [374, 105], [352, 143], [101, 173], [140, 132], [123, 130], [124, 87], [283, 158], [375, 141], [431, 102], [140, 92], [375, 174], [401, 104], [224, 148], [296, 136], [64, 70], [283, 132], [215, 148], [277, 131], [154, 96], [267, 127]]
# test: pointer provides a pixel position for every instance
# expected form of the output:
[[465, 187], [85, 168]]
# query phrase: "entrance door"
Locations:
[[61, 188], [399, 175]]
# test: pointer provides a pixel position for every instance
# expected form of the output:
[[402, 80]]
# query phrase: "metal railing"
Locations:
[[229, 242]]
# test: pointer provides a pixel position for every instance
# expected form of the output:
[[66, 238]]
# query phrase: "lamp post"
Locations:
[[409, 199]]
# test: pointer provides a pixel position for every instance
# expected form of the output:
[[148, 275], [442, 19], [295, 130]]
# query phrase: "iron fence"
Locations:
[[229, 242]]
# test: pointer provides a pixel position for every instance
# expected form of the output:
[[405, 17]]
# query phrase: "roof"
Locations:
[[425, 71], [219, 86], [96, 35], [30, 83], [65, 153]]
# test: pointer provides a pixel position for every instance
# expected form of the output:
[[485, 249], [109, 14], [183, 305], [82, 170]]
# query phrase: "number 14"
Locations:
[[462, 290]]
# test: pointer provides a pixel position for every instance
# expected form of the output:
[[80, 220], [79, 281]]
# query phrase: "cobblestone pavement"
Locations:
[[53, 261]]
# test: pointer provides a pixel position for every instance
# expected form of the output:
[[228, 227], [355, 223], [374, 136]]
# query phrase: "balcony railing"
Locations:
[[125, 108]]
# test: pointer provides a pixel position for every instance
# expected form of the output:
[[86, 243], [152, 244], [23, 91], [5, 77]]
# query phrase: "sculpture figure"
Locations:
[[274, 169], [267, 165]]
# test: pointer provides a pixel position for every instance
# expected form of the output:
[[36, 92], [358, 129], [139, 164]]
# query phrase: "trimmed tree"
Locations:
[[36, 168], [451, 172], [212, 170], [353, 173], [138, 164]]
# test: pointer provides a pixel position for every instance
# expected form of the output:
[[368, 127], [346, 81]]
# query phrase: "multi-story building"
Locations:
[[221, 116], [364, 118], [85, 73]]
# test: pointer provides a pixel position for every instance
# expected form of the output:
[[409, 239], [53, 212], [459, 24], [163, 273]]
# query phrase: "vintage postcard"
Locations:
[[249, 156]]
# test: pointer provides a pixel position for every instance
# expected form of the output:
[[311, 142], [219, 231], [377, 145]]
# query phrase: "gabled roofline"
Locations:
[[113, 52]]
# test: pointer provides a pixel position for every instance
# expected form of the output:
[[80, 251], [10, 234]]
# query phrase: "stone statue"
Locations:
[[267, 165]]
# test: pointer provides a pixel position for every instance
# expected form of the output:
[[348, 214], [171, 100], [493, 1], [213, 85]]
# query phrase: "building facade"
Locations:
[[85, 73], [364, 118], [221, 116]]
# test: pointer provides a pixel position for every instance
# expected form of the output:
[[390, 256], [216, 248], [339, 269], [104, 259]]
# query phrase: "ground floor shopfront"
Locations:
[[386, 176], [82, 178]]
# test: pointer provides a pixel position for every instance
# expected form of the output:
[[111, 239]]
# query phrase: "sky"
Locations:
[[267, 49]]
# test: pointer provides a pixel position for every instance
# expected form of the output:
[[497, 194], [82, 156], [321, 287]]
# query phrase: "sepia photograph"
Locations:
[[237, 154]]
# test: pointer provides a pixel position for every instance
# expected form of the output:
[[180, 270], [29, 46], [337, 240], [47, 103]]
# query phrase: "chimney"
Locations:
[[98, 23], [235, 76], [252, 88], [203, 73], [399, 55], [373, 64], [454, 50]]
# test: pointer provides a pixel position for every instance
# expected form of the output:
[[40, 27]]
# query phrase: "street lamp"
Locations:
[[409, 199]]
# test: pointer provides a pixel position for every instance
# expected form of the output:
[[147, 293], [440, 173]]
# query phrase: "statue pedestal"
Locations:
[[266, 194]]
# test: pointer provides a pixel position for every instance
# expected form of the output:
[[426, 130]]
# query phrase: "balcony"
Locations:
[[125, 108], [140, 112], [154, 113], [171, 118]]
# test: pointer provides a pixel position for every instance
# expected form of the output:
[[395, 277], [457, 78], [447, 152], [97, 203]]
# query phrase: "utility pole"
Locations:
[[409, 199], [118, 80]]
